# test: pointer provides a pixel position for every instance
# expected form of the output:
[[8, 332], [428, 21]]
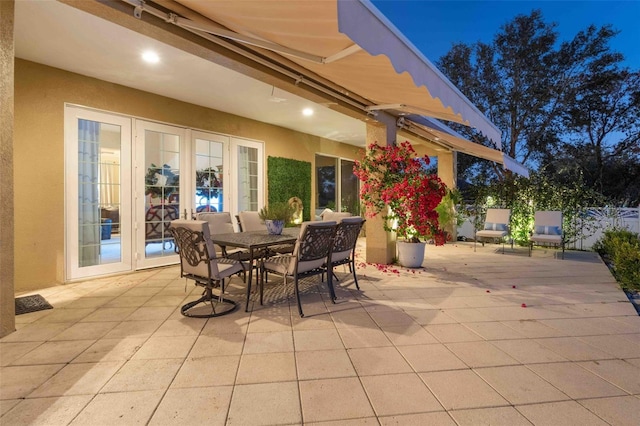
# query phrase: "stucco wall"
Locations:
[[40, 94], [7, 311]]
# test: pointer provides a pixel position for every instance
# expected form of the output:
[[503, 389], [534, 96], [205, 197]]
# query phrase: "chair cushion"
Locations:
[[339, 256], [281, 264], [250, 221], [490, 226], [548, 230], [491, 234], [546, 238]]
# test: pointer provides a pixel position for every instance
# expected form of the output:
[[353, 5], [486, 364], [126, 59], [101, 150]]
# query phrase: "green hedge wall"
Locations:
[[289, 178]]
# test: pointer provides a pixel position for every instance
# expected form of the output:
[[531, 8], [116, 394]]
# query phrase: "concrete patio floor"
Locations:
[[473, 338]]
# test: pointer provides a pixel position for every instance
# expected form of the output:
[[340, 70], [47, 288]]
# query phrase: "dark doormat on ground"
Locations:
[[33, 303]]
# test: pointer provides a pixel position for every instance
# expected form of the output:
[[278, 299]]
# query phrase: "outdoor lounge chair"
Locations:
[[198, 262], [310, 257], [496, 226], [547, 229]]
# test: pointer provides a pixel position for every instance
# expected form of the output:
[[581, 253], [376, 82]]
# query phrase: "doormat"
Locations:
[[33, 303]]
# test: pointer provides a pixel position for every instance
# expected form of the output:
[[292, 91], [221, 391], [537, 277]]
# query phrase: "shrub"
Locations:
[[622, 249]]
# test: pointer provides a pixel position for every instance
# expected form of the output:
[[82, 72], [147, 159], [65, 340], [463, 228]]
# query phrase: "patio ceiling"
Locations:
[[61, 36]]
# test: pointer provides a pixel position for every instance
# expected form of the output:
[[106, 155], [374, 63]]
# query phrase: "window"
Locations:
[[336, 185]]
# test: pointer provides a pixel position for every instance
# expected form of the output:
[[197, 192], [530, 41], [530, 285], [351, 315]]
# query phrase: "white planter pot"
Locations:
[[274, 227], [410, 255]]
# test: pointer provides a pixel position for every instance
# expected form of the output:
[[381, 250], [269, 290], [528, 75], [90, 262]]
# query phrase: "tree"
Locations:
[[602, 125], [523, 82]]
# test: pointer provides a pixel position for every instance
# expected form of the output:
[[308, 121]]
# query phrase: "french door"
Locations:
[[247, 175], [127, 179], [210, 178], [160, 161], [97, 193]]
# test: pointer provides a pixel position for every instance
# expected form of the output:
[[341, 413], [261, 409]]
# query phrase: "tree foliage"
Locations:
[[602, 125], [565, 108]]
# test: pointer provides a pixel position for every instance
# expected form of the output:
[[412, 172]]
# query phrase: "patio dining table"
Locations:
[[255, 242]]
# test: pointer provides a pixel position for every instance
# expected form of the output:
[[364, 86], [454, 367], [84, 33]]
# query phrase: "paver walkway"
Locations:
[[444, 345]]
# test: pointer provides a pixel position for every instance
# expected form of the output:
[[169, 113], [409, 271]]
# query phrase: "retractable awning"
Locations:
[[347, 42], [446, 136]]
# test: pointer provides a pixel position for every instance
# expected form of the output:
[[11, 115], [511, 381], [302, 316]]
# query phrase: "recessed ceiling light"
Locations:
[[150, 57], [307, 112]]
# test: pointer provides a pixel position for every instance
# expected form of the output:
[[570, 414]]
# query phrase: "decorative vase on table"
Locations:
[[274, 227], [275, 216], [411, 255]]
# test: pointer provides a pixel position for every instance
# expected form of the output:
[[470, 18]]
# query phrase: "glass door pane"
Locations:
[[247, 174], [349, 195], [161, 186], [210, 152], [326, 177], [98, 161]]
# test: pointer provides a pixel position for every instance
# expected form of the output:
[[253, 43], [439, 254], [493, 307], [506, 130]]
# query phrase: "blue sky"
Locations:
[[433, 26]]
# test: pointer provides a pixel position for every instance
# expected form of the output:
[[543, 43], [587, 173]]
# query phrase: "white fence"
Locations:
[[590, 227]]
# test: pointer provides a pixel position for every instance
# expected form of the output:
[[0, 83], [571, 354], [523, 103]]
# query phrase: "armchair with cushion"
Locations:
[[250, 221], [496, 226], [198, 262], [344, 244], [311, 256], [220, 223], [547, 229], [337, 216]]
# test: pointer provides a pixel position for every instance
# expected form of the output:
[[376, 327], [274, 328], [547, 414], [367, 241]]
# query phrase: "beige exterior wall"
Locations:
[[40, 95], [7, 306]]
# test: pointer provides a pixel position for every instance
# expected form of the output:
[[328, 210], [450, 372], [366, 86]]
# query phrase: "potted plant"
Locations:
[[395, 182], [276, 215]]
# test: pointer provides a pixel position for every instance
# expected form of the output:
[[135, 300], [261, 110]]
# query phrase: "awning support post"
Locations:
[[381, 245]]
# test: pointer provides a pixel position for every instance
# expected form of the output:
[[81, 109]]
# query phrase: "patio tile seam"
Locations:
[[567, 397], [595, 373], [544, 403], [576, 398], [609, 356]]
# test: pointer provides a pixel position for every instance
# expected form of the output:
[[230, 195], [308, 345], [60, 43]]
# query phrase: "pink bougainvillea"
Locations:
[[394, 176]]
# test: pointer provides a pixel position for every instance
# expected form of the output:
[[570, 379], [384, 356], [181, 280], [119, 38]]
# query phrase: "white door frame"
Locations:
[[72, 114], [138, 183], [234, 175]]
